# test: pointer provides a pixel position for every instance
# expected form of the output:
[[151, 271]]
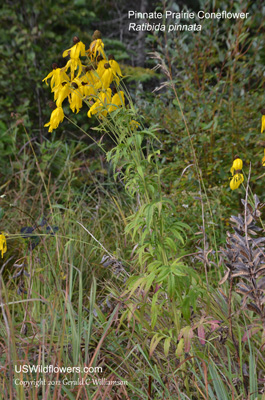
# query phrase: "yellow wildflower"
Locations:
[[75, 52], [100, 67], [236, 181], [106, 79], [117, 101], [262, 123], [75, 98], [263, 160], [114, 65], [57, 76], [96, 47], [87, 90], [235, 170], [3, 246], [104, 98], [57, 117], [90, 76], [60, 93], [73, 63], [87, 82], [237, 165]]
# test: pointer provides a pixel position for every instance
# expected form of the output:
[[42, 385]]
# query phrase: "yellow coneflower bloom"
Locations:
[[60, 93], [87, 90], [263, 160], [262, 123], [77, 50], [90, 76], [57, 117], [235, 170], [117, 101], [106, 79], [3, 246], [236, 181], [86, 85], [75, 99], [100, 67], [57, 76], [96, 47], [114, 65], [237, 165], [73, 63], [104, 98]]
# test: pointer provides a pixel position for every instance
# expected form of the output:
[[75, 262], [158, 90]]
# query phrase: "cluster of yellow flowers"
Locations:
[[88, 81], [3, 246], [237, 176]]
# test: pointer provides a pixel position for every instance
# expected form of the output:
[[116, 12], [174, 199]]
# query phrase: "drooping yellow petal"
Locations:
[[66, 53], [101, 105], [48, 77], [60, 93], [96, 107], [101, 68], [237, 165], [57, 117], [57, 76], [115, 66], [262, 123], [117, 101], [73, 63], [106, 78], [236, 181], [3, 246], [87, 90], [96, 47], [90, 77], [78, 50], [75, 51], [75, 101]]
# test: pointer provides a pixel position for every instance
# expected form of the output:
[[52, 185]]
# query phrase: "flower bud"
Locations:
[[76, 39], [96, 35]]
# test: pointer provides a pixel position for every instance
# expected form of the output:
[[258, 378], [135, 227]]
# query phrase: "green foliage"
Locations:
[[138, 74], [219, 80]]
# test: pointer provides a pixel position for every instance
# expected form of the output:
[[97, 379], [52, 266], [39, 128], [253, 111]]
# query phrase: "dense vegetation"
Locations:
[[126, 248]]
